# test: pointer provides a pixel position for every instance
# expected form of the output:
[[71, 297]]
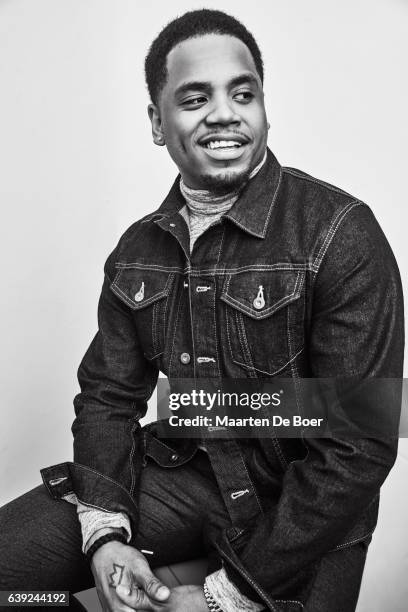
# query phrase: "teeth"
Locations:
[[220, 144]]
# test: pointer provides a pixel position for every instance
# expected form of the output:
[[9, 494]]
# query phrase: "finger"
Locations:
[[135, 598], [155, 589], [144, 578]]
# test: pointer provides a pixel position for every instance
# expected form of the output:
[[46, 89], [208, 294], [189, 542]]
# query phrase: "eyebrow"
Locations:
[[207, 86]]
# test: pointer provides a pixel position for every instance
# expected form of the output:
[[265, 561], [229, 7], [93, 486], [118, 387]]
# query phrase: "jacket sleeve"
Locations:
[[116, 382], [356, 330]]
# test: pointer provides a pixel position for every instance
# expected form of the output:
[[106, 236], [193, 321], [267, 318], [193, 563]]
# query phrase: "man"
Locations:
[[247, 270]]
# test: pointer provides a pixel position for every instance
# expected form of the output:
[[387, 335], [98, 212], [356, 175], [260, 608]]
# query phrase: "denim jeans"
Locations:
[[40, 537]]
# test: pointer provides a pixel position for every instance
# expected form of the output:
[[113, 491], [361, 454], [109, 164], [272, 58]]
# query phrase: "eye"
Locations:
[[244, 96], [194, 102]]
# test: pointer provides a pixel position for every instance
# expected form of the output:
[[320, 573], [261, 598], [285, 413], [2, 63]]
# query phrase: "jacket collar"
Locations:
[[251, 212]]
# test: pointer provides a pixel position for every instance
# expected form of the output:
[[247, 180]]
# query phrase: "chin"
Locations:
[[224, 182]]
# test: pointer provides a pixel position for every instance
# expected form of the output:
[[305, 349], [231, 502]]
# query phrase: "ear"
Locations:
[[157, 131]]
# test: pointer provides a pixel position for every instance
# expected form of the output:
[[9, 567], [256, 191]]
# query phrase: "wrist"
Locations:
[[99, 533], [112, 536]]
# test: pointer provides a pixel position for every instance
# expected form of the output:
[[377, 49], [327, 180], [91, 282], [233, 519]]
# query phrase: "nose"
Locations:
[[222, 112]]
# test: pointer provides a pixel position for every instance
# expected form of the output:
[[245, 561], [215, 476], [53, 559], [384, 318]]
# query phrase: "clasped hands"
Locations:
[[125, 583]]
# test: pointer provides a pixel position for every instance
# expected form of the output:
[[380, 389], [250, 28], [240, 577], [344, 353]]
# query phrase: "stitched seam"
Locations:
[[242, 339], [275, 195], [154, 356], [228, 333], [132, 452], [154, 316], [256, 234], [244, 342], [228, 324], [164, 327], [351, 542], [272, 309], [58, 465], [163, 444], [215, 305], [144, 304], [89, 469], [93, 505], [295, 375], [275, 371], [301, 280], [251, 483], [151, 216], [256, 267], [254, 314], [332, 231], [175, 330], [212, 271], [312, 179], [190, 308], [293, 601], [139, 266]]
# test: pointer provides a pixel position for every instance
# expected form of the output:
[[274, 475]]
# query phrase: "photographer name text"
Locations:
[[251, 421]]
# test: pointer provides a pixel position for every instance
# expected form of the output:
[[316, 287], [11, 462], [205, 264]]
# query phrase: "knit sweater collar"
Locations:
[[204, 202]]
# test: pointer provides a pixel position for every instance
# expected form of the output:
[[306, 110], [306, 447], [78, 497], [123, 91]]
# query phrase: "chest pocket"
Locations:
[[264, 314], [146, 292]]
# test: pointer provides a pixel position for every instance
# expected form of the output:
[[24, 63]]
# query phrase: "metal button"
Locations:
[[140, 294], [55, 481], [174, 457], [258, 303], [185, 358]]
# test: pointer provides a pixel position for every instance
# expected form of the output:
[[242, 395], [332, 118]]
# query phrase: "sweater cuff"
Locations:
[[95, 523], [227, 596]]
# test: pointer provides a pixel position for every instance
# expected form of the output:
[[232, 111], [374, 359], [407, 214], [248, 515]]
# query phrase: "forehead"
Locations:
[[211, 58]]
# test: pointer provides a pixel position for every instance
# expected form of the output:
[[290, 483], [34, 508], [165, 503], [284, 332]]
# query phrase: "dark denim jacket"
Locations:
[[333, 307]]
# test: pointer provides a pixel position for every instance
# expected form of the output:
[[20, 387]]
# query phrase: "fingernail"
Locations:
[[163, 592]]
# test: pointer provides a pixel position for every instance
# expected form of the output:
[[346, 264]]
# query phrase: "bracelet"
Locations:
[[108, 537], [211, 603]]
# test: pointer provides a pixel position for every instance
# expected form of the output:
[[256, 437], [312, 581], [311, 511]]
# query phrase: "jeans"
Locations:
[[181, 514]]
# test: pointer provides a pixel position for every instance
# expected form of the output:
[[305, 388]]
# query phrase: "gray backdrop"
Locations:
[[78, 166]]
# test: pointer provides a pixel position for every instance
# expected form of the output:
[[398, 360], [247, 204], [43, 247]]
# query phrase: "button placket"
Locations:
[[205, 343]]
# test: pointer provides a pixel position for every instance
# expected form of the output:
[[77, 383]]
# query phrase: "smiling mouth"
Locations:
[[222, 144]]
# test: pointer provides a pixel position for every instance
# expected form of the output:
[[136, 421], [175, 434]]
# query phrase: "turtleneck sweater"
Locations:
[[204, 209]]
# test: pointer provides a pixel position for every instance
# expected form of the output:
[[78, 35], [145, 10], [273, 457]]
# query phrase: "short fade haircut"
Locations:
[[192, 25]]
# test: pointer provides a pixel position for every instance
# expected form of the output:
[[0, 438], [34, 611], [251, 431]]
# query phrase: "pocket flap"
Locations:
[[261, 293], [140, 287]]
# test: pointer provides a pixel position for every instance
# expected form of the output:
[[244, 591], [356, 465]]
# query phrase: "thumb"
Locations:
[[155, 589], [134, 598], [138, 598]]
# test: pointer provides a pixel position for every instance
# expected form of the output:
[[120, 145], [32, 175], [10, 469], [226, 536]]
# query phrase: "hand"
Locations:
[[115, 564], [182, 599]]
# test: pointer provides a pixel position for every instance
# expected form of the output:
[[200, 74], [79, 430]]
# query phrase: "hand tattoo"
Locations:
[[117, 575]]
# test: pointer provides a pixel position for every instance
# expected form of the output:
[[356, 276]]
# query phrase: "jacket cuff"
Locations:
[[90, 488]]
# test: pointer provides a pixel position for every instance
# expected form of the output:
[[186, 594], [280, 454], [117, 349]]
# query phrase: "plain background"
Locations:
[[78, 166]]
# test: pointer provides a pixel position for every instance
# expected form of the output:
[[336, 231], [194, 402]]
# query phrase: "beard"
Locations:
[[225, 182]]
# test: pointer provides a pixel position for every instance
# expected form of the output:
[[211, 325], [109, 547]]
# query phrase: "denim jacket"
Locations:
[[333, 308]]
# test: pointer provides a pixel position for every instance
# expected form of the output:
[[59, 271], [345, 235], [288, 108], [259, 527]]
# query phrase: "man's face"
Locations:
[[211, 112]]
